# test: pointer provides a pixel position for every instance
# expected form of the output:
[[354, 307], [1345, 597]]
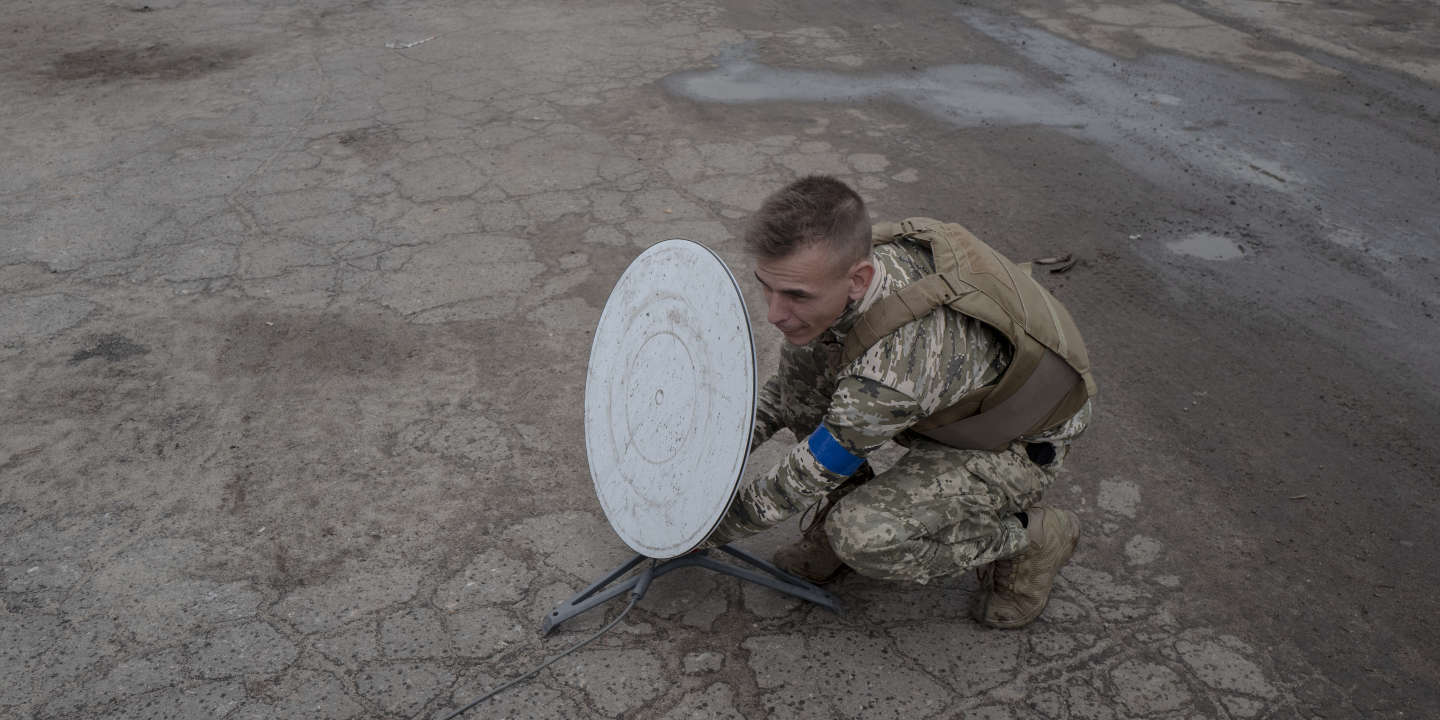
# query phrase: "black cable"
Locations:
[[635, 594]]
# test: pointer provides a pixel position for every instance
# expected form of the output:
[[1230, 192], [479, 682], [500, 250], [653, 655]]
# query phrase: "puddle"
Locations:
[[1207, 247], [1161, 116], [962, 94]]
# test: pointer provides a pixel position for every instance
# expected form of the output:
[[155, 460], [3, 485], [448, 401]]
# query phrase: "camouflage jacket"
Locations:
[[921, 368]]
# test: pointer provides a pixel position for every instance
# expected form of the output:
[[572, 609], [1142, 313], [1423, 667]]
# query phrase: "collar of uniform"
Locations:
[[841, 327]]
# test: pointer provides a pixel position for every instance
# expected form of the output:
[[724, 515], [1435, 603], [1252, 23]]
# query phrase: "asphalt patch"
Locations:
[[372, 143], [154, 62], [314, 348], [110, 347]]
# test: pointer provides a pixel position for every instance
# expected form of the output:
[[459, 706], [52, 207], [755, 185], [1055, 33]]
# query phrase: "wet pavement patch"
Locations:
[[154, 62], [1207, 246], [109, 347], [966, 95]]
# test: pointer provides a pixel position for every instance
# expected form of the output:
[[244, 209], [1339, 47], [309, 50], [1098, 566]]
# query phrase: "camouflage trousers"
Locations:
[[938, 511]]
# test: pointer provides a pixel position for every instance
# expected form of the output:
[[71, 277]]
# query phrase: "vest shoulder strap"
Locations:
[[946, 286], [893, 312], [976, 280]]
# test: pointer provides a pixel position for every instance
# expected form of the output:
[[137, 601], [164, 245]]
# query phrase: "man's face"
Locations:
[[806, 292]]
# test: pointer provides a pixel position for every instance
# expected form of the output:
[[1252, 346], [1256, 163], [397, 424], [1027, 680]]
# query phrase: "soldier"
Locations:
[[876, 350]]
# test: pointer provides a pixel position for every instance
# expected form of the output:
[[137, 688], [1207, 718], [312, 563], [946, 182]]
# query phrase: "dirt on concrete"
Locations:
[[152, 62]]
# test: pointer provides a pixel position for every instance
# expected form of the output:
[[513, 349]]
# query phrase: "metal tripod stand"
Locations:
[[770, 576]]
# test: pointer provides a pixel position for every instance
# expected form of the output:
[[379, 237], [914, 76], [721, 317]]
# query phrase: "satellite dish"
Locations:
[[670, 398]]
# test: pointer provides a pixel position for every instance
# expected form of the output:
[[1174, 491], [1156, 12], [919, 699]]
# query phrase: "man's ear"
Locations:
[[861, 273]]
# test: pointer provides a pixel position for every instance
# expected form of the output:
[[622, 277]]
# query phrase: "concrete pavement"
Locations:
[[295, 304]]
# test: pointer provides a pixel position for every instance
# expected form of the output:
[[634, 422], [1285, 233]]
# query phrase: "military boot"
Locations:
[[812, 557], [1013, 591]]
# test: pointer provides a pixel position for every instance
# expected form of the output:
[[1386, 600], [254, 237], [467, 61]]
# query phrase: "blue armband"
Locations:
[[832, 455]]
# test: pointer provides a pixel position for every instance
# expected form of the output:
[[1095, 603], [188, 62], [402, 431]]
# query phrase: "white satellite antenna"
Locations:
[[670, 398], [669, 409]]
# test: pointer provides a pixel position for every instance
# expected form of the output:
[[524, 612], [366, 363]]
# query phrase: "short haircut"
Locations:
[[812, 210]]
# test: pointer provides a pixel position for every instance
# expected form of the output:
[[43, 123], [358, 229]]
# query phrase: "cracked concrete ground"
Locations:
[[295, 304]]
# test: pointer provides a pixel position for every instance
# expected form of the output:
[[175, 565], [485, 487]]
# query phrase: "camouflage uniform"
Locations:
[[938, 510]]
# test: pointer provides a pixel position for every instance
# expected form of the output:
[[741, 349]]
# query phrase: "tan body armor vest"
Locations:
[[1048, 379]]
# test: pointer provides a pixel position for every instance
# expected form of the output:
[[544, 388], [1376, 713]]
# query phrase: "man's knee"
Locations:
[[873, 540], [919, 541]]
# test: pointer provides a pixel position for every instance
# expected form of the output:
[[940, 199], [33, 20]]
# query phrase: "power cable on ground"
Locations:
[[635, 594]]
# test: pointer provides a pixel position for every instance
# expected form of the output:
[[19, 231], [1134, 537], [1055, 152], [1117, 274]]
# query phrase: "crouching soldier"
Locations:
[[918, 332]]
